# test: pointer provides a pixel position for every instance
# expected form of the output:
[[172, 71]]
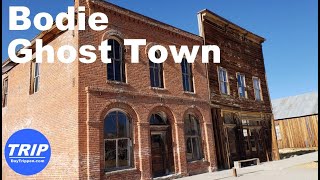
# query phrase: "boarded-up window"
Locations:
[[5, 92], [34, 77]]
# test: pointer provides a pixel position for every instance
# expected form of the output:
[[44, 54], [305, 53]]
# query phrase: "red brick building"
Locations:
[[118, 120]]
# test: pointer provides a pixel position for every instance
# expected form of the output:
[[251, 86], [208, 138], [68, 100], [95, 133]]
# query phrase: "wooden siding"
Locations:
[[301, 132], [232, 144]]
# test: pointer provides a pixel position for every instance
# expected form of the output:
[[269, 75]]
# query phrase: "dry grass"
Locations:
[[311, 165]]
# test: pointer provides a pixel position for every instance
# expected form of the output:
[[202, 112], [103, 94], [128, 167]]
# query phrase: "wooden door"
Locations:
[[158, 155], [231, 145]]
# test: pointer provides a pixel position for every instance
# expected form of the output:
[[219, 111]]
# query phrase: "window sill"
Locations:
[[158, 89], [225, 95], [120, 171], [117, 83], [33, 93], [189, 92], [197, 161]]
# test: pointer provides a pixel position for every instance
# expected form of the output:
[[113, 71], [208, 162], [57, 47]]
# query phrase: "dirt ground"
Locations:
[[297, 167], [292, 152], [311, 165]]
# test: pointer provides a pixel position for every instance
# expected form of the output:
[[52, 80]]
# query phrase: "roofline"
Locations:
[[302, 94], [33, 41], [123, 11], [295, 117], [38, 36], [139, 16], [233, 25]]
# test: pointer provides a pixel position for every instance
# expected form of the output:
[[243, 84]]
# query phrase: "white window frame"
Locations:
[[260, 90], [226, 81], [35, 77], [194, 139], [129, 145], [244, 84], [159, 67], [121, 60], [245, 132], [5, 86], [189, 74]]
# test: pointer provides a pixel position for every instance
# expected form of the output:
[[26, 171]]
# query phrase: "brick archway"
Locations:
[[198, 115], [194, 111], [166, 110], [113, 33], [166, 135], [133, 116], [122, 106]]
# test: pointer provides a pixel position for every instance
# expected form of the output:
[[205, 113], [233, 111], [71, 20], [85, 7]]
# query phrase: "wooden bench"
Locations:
[[237, 164]]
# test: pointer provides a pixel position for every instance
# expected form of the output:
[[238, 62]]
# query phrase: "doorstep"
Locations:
[[168, 177]]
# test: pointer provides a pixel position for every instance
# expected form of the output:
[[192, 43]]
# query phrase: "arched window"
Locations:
[[187, 76], [156, 72], [116, 69], [157, 119], [193, 138], [118, 141]]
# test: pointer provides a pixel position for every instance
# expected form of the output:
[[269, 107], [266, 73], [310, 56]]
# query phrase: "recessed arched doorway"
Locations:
[[161, 145]]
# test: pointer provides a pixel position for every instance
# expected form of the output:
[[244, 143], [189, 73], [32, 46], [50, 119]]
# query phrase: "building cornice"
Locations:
[[145, 19], [46, 36], [141, 95], [227, 25]]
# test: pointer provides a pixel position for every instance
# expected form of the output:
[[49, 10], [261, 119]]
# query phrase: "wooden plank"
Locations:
[[300, 132]]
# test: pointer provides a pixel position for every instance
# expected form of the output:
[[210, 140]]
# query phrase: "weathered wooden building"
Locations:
[[240, 101], [296, 121]]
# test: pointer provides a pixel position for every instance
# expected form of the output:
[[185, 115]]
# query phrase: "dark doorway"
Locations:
[[240, 136], [161, 146], [217, 129], [158, 155]]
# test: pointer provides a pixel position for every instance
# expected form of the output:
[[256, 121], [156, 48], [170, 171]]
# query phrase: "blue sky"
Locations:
[[290, 27]]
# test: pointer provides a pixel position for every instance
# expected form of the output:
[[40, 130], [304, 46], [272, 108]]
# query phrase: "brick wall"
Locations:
[[52, 111], [74, 99], [97, 96]]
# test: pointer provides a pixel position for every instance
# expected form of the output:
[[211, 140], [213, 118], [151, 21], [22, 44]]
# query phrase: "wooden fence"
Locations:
[[301, 132]]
